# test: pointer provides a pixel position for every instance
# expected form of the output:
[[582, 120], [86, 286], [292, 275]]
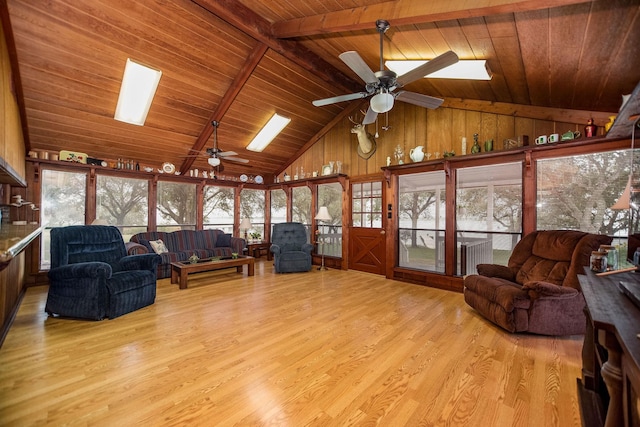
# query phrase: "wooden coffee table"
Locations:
[[180, 270]]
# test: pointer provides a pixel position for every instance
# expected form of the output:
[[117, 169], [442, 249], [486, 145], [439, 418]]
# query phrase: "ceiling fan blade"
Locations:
[[370, 117], [437, 63], [357, 64], [227, 153], [236, 159], [340, 98], [419, 99]]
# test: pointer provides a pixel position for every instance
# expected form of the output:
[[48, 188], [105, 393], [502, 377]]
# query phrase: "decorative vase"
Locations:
[[416, 154], [475, 148], [590, 129], [488, 145]]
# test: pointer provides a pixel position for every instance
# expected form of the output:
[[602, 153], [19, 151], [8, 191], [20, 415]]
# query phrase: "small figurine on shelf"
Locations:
[[475, 148], [608, 125], [398, 154], [590, 129]]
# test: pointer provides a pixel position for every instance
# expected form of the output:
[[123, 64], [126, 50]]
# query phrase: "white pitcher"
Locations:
[[416, 154]]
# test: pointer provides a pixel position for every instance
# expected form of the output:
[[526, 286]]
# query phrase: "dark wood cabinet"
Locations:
[[609, 389]]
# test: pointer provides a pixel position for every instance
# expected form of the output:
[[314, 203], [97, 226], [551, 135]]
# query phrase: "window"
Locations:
[[301, 206], [489, 214], [63, 203], [218, 208], [330, 195], [421, 215], [176, 207], [123, 202], [278, 206], [252, 206], [575, 193], [367, 204]]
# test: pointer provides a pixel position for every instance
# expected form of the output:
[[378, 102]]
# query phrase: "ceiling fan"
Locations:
[[382, 84], [216, 154]]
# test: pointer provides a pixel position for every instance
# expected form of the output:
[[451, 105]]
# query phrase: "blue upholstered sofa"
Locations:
[[182, 244]]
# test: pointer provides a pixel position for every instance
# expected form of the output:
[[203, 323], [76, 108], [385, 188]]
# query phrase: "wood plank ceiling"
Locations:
[[240, 61]]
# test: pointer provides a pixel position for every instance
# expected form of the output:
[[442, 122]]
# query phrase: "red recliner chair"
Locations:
[[538, 291]]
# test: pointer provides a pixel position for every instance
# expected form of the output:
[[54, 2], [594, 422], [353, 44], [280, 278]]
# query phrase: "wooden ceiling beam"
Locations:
[[250, 23], [405, 12], [560, 115], [232, 92]]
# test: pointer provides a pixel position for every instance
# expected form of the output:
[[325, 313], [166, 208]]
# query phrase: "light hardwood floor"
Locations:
[[325, 348]]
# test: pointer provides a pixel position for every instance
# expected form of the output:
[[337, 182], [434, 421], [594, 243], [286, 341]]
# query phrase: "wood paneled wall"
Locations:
[[12, 152], [437, 131]]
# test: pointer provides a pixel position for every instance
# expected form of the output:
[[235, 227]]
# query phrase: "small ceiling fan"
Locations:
[[216, 154], [382, 84]]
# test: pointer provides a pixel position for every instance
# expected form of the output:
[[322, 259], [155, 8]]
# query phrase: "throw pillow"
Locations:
[[223, 241], [158, 246]]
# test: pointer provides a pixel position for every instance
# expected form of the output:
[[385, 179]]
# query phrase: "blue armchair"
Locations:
[[92, 277], [290, 248]]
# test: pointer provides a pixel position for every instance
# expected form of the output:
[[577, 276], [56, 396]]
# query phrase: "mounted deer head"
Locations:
[[366, 141]]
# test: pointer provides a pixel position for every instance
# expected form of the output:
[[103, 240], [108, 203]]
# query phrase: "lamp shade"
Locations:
[[624, 202], [323, 214], [213, 161], [382, 102], [245, 224]]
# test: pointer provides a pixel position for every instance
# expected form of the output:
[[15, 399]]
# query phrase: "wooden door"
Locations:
[[367, 235]]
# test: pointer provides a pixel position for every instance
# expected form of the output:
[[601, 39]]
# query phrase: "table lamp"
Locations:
[[323, 215], [245, 225]]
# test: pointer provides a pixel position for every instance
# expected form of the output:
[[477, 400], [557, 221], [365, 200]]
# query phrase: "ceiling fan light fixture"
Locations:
[[138, 87], [273, 127], [471, 69], [382, 102], [213, 161]]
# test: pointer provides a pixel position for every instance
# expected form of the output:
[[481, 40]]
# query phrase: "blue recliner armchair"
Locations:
[[92, 277], [290, 248]]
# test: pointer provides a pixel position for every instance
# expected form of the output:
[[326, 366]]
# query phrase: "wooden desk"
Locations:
[[611, 353]]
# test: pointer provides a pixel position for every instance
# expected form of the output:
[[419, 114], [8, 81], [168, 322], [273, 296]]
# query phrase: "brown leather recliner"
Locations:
[[538, 291]]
